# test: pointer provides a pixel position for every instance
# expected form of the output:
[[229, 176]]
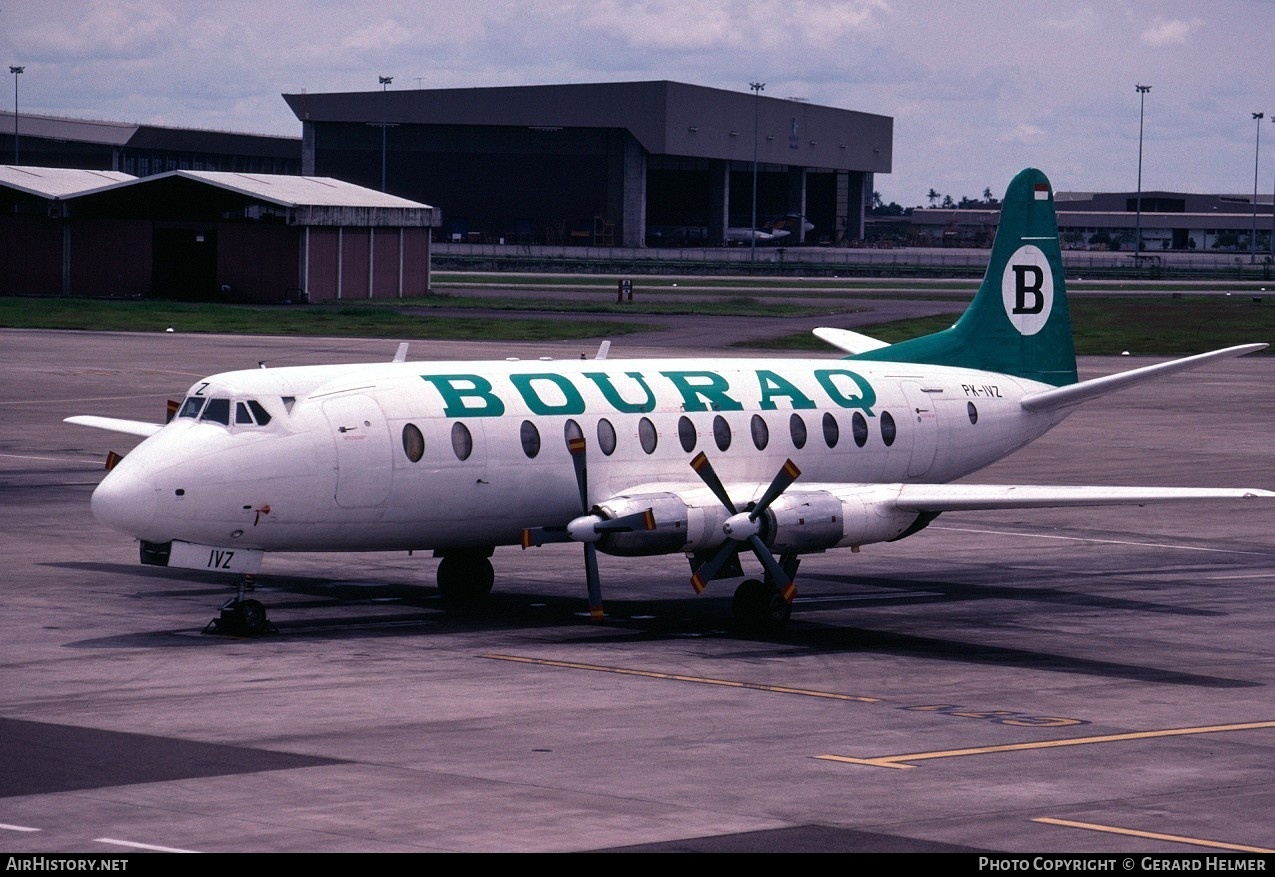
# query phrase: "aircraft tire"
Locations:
[[465, 579], [252, 617], [758, 608]]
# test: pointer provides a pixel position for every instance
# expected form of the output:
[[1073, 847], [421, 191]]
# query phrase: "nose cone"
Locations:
[[125, 502]]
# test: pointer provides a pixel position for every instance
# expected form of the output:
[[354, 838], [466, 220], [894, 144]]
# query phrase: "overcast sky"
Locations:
[[977, 89]]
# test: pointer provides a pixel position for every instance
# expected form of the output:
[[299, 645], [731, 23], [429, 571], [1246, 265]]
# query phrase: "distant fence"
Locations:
[[935, 262]]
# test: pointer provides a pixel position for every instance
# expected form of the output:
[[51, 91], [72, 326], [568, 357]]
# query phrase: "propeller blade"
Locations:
[[534, 537], [708, 475], [576, 447], [778, 576], [788, 473], [113, 460], [708, 569], [627, 523], [593, 580]]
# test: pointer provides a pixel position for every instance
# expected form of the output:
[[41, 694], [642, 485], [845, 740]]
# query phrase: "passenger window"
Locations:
[[761, 432], [972, 412], [571, 430], [530, 437], [859, 427], [241, 413], [217, 411], [606, 436], [191, 407], [686, 434], [647, 435], [413, 442], [259, 412], [462, 441], [888, 430], [797, 427], [831, 432], [721, 432]]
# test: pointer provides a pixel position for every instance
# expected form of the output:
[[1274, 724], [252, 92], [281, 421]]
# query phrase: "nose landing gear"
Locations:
[[240, 617]]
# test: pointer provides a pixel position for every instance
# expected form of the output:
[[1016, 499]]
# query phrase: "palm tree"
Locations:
[[933, 196]]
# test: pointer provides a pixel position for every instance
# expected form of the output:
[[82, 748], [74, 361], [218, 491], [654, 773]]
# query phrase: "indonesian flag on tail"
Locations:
[[1042, 191]]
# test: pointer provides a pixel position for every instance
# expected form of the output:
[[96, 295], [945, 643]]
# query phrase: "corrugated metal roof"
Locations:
[[78, 130], [57, 182], [293, 191]]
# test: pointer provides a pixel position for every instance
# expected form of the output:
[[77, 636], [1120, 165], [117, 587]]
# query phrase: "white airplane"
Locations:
[[704, 457]]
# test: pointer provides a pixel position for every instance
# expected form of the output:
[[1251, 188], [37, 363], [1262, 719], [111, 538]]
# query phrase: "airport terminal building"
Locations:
[[601, 164]]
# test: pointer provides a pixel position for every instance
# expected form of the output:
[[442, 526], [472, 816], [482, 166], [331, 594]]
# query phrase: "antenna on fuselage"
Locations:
[[401, 354], [603, 349]]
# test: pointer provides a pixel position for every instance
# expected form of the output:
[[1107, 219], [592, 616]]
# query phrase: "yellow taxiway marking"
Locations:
[[678, 677], [899, 761], [1152, 835]]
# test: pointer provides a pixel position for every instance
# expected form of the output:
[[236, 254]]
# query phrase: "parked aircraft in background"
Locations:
[[781, 227], [718, 460]]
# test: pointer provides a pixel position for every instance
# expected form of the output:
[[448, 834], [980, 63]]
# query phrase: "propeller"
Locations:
[[744, 527], [589, 527]]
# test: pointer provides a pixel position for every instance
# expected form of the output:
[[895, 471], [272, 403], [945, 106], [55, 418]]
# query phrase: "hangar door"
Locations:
[[184, 263]]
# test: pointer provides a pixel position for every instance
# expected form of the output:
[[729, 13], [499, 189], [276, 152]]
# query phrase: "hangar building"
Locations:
[[602, 163], [141, 150], [208, 236]]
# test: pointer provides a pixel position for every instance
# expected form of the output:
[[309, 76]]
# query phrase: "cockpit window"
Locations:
[[191, 407], [217, 411], [241, 413], [259, 412]]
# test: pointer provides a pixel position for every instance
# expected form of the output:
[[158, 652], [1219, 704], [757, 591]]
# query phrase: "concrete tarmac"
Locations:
[[1095, 680]]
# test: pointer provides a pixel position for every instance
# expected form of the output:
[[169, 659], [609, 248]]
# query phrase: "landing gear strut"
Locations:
[[465, 579], [242, 617]]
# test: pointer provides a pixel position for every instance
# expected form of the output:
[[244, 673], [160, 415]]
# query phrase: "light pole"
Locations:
[[1142, 102], [758, 88], [15, 71], [1252, 238], [385, 82]]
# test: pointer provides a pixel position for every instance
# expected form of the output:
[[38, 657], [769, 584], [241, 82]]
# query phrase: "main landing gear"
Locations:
[[760, 608], [465, 578], [240, 617]]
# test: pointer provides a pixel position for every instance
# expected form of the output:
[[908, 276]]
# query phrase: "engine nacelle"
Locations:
[[687, 521], [816, 519], [800, 520]]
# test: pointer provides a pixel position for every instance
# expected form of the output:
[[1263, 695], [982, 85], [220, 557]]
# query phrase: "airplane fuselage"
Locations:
[[406, 456]]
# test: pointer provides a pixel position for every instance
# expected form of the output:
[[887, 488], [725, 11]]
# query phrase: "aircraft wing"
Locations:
[[115, 424], [976, 497], [850, 342]]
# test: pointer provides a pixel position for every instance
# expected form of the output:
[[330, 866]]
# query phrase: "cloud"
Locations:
[[1169, 31]]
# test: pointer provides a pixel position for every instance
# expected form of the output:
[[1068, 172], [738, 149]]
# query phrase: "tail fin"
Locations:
[[1018, 322]]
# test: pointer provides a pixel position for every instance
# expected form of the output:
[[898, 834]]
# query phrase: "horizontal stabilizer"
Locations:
[[976, 497], [850, 342], [115, 424], [1074, 394]]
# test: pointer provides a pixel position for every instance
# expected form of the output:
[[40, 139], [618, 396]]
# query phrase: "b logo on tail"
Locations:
[[1027, 289]]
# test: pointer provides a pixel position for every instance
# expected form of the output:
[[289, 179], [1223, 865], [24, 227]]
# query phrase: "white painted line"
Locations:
[[1102, 541], [138, 846], [17, 827]]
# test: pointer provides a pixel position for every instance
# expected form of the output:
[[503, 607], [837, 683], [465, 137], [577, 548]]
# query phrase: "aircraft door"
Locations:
[[364, 459], [922, 415]]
